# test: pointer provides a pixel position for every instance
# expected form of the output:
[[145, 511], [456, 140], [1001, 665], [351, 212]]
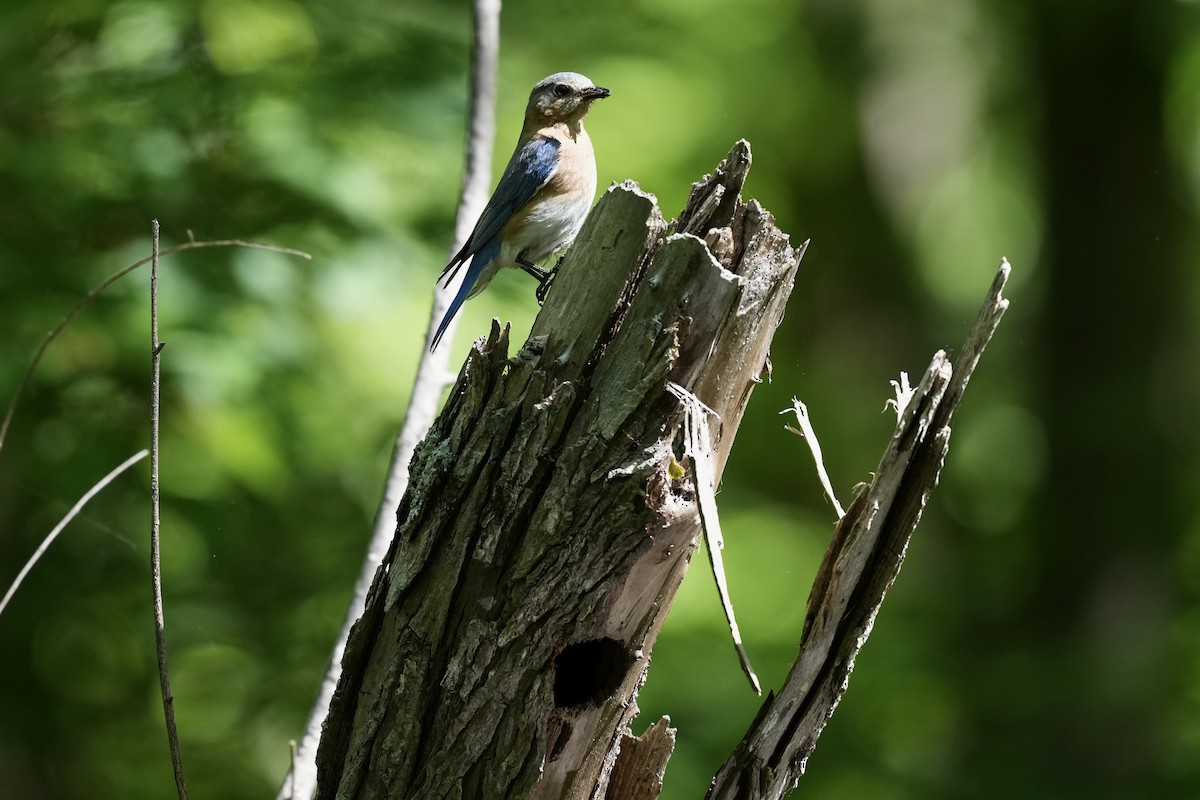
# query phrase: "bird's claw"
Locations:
[[544, 284]]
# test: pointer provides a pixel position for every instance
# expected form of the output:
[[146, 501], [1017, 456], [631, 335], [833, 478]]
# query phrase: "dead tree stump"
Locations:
[[544, 532]]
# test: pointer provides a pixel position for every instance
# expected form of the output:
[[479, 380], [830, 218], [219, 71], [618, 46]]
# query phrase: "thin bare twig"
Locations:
[[45, 545], [160, 638], [91, 295], [806, 432], [293, 753], [431, 381], [700, 453]]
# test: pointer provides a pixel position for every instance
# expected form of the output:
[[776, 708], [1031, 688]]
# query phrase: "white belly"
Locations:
[[551, 226]]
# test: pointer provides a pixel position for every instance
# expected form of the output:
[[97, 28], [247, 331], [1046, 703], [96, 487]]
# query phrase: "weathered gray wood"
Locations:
[[542, 540], [863, 559], [638, 771]]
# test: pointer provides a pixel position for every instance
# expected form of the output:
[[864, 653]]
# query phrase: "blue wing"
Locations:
[[528, 170]]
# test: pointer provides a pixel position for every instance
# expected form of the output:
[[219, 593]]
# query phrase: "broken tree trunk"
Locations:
[[543, 536], [863, 559]]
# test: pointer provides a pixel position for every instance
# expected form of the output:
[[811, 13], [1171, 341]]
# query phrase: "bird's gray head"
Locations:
[[563, 96]]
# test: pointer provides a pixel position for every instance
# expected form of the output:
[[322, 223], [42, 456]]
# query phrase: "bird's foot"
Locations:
[[532, 269], [546, 281]]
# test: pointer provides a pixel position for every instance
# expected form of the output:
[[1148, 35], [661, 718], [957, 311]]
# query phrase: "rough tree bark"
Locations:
[[542, 537]]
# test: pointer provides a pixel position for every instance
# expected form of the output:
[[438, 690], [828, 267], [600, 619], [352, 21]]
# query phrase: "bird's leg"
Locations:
[[546, 280], [531, 268]]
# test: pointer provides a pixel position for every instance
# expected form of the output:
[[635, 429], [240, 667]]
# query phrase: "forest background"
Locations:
[[1044, 637]]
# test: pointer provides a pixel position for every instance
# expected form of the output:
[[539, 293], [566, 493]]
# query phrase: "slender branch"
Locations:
[[45, 545], [293, 752], [160, 638], [91, 295], [431, 381]]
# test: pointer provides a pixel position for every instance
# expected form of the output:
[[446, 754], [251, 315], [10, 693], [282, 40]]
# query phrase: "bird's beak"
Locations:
[[595, 93]]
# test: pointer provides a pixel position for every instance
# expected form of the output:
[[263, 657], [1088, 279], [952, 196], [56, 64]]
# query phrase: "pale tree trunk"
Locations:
[[431, 380], [543, 536]]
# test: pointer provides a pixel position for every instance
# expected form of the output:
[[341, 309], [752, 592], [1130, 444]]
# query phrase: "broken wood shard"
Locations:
[[641, 763], [699, 450]]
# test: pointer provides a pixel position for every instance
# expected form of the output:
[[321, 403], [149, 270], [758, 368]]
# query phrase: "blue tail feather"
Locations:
[[478, 262]]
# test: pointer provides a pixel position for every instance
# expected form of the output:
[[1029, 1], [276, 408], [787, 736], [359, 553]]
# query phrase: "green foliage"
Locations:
[[1042, 639]]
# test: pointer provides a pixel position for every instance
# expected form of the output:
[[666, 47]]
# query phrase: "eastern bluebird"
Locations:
[[543, 196]]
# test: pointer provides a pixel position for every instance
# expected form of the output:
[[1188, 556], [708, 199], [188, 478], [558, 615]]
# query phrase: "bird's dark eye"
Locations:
[[561, 90]]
